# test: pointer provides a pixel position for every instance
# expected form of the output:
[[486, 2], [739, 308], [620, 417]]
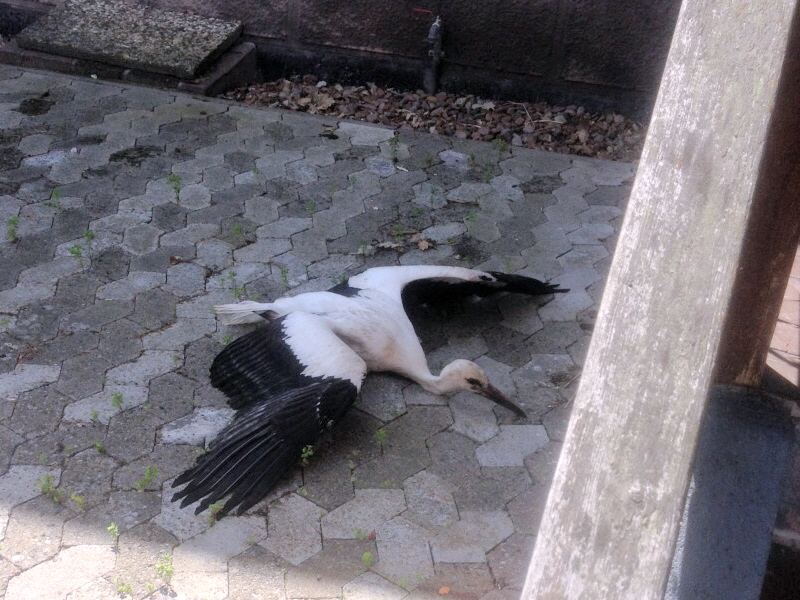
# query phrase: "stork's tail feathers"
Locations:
[[240, 313]]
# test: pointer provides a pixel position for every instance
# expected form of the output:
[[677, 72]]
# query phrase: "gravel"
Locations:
[[568, 129]]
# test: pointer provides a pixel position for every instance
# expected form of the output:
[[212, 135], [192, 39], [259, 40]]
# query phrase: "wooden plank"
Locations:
[[771, 241], [612, 515]]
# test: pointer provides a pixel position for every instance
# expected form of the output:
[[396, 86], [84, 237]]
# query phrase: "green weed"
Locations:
[[176, 181], [380, 437], [213, 511], [500, 145], [306, 454], [393, 145], [55, 199], [150, 473], [237, 229], [236, 290], [123, 588], [12, 228], [47, 486], [164, 567], [79, 501]]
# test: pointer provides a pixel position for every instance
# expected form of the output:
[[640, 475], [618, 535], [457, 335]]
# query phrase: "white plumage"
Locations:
[[293, 378]]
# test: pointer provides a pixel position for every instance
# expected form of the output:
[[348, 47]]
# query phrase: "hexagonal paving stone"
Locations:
[[511, 445], [471, 537], [404, 555], [365, 513], [370, 586], [26, 377], [70, 569], [211, 550], [430, 501], [141, 239], [294, 529], [324, 574]]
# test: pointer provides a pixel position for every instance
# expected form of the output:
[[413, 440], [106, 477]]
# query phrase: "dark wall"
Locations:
[[601, 53]]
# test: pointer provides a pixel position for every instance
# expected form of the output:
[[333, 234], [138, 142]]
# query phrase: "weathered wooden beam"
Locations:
[[771, 239], [614, 507]]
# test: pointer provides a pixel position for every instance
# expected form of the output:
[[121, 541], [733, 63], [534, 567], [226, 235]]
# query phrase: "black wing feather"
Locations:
[[442, 296], [257, 365], [520, 284], [344, 289], [262, 443]]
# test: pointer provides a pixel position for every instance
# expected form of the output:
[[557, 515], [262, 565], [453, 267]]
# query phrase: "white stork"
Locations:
[[293, 378]]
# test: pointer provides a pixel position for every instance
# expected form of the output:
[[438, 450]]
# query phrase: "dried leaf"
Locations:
[[533, 125], [388, 245], [366, 250], [324, 101]]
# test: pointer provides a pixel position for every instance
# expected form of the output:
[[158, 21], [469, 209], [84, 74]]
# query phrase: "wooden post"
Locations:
[[717, 169]]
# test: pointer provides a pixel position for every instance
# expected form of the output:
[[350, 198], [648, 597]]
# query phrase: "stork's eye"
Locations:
[[473, 381]]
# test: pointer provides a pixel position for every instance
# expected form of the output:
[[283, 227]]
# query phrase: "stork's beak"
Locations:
[[495, 395]]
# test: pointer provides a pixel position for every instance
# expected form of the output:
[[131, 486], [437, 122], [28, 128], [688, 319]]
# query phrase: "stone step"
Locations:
[[147, 39]]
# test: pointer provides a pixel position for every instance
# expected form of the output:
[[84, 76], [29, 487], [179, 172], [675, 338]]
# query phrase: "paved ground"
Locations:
[[127, 212]]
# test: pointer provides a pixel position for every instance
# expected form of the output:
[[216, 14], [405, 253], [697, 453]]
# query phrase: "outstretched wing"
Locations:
[[437, 284], [262, 443], [290, 380], [441, 295]]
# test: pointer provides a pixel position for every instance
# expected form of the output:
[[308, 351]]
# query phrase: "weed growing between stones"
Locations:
[[164, 567], [380, 437], [113, 531], [12, 229], [150, 473], [176, 182], [48, 487]]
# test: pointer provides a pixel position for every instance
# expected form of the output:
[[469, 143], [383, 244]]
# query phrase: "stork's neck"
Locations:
[[440, 385], [431, 384]]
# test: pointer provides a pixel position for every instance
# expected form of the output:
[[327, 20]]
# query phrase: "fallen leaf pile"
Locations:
[[568, 129]]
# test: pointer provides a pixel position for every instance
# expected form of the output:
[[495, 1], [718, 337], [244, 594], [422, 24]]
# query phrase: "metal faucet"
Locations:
[[431, 75]]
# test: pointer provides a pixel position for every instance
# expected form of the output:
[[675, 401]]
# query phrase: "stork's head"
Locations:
[[467, 376]]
